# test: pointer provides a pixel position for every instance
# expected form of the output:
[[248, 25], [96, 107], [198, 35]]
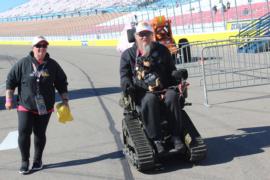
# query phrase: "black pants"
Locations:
[[151, 107], [28, 123]]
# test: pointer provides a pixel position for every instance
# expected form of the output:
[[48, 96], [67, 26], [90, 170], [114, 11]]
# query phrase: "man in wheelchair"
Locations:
[[146, 73]]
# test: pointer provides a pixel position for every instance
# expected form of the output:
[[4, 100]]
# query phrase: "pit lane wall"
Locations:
[[113, 42], [64, 42], [205, 36]]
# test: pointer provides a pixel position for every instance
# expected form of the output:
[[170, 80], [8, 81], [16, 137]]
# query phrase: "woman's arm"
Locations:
[[9, 99]]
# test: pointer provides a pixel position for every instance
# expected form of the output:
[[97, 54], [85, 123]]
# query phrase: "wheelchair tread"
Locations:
[[141, 154], [197, 150]]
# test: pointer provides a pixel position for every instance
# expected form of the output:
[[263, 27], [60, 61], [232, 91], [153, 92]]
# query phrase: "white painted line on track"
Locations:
[[10, 142]]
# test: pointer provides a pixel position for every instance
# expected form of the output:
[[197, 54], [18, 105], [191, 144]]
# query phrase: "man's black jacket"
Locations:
[[162, 61], [22, 75]]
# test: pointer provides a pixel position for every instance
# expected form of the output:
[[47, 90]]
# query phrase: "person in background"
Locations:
[[228, 5], [36, 76], [214, 8], [156, 61]]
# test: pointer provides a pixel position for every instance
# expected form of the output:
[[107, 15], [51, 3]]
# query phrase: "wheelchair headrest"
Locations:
[[130, 35]]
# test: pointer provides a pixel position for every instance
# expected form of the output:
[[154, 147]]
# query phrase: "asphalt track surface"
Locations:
[[236, 128]]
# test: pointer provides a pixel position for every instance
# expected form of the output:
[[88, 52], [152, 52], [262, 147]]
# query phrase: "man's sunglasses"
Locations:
[[144, 33], [41, 46]]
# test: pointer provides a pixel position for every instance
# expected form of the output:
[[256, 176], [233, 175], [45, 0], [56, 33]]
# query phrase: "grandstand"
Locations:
[[45, 7], [87, 20], [62, 27]]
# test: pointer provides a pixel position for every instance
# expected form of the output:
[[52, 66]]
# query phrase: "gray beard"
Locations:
[[146, 50]]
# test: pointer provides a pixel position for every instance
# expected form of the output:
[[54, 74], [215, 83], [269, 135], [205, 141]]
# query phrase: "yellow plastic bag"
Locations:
[[63, 113]]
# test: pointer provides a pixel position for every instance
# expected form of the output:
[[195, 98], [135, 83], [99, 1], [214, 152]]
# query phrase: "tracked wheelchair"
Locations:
[[140, 150]]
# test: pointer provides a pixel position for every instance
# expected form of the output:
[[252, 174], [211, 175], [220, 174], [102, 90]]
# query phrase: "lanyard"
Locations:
[[38, 75]]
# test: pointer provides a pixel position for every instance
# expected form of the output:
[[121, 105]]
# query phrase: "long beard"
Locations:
[[146, 49]]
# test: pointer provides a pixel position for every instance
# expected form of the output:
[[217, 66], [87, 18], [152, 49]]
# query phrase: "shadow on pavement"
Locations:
[[223, 149], [112, 155], [85, 93], [78, 94]]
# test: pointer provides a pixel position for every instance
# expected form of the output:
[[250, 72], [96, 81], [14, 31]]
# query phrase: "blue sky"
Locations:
[[8, 4]]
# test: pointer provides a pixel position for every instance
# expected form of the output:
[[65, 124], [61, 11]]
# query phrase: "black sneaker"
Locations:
[[24, 167], [37, 165], [159, 147]]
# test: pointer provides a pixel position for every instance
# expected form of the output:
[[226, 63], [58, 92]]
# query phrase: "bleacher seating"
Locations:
[[64, 27], [255, 11], [186, 14], [34, 8]]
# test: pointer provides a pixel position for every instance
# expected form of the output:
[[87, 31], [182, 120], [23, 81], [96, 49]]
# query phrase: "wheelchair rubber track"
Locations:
[[197, 150], [143, 157]]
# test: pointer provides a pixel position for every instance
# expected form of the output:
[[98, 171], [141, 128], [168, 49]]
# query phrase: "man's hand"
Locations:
[[152, 88]]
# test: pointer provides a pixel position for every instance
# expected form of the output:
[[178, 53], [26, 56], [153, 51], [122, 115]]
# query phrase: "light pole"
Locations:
[[212, 18], [250, 7], [267, 6], [223, 9], [236, 11], [175, 25], [200, 9], [182, 17], [191, 15]]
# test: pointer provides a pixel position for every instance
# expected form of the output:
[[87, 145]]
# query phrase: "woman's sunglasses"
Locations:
[[41, 46]]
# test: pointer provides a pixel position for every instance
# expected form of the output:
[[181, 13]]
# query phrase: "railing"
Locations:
[[256, 28], [191, 17], [231, 69]]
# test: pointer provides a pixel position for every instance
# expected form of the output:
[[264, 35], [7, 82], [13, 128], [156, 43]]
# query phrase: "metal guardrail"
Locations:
[[234, 67], [189, 55], [227, 64], [258, 27]]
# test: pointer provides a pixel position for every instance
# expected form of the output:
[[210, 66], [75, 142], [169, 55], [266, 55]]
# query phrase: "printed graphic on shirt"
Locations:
[[45, 73], [42, 73]]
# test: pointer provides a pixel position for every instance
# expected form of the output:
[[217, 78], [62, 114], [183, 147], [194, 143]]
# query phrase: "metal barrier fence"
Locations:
[[189, 56], [237, 64]]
